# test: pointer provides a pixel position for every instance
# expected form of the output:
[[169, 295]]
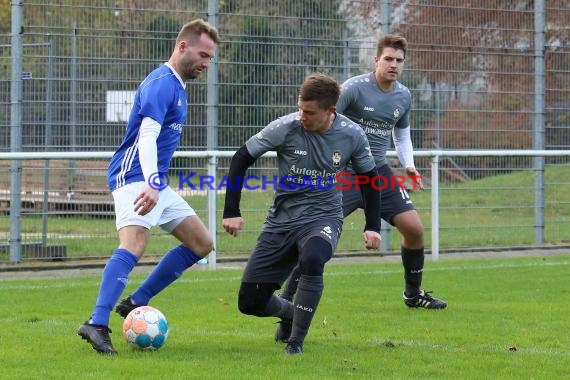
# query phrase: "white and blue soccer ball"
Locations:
[[145, 328]]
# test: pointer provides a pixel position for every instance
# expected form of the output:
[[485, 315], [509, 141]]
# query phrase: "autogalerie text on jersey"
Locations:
[[291, 182]]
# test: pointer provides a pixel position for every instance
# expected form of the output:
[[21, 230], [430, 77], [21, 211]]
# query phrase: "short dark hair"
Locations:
[[191, 32], [320, 87], [394, 41]]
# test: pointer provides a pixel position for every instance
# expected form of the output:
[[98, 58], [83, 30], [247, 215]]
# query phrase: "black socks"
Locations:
[[306, 301], [413, 261]]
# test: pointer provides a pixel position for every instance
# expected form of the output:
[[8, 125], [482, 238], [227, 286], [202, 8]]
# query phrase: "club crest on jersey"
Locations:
[[336, 158], [396, 112]]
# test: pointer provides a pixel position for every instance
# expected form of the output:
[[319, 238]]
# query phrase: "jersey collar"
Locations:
[[176, 74]]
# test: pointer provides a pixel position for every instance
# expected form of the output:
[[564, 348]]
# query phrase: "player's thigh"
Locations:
[[272, 259], [410, 226], [193, 234], [179, 219], [317, 243], [395, 199], [327, 229]]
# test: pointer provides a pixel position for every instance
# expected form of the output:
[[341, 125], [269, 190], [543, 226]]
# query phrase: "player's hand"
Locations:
[[416, 177], [233, 225], [372, 239], [146, 200]]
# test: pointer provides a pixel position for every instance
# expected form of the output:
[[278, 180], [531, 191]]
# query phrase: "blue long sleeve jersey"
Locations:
[[162, 97]]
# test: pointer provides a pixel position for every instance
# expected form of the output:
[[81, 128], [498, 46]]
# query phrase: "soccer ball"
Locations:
[[145, 328]]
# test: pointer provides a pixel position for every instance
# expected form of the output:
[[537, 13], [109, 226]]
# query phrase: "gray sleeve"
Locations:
[[362, 160], [404, 121], [268, 139]]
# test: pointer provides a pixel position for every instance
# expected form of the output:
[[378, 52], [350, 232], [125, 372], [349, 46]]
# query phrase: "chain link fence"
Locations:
[[471, 66]]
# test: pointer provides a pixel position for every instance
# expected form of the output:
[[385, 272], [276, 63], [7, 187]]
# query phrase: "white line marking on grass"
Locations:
[[52, 284]]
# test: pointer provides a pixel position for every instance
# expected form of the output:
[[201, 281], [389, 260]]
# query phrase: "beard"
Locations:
[[190, 70], [193, 73]]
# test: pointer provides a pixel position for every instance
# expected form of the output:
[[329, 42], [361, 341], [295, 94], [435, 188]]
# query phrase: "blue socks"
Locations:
[[116, 276], [170, 267], [114, 279]]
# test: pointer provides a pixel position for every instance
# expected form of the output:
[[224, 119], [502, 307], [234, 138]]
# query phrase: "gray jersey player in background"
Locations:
[[381, 106], [304, 223]]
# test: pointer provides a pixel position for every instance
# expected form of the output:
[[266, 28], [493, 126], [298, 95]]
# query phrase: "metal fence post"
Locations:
[[16, 100], [48, 139], [212, 217], [435, 206], [539, 116]]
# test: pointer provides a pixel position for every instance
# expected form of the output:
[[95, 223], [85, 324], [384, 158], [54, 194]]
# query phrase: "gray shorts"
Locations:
[[277, 253], [394, 200]]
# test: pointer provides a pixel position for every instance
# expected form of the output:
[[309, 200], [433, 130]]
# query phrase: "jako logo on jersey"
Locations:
[[300, 152], [179, 102], [396, 112], [366, 108]]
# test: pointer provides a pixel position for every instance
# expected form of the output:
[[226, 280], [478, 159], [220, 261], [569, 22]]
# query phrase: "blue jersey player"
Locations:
[[141, 201]]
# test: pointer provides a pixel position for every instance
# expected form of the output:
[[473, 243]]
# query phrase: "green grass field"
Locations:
[[507, 319]]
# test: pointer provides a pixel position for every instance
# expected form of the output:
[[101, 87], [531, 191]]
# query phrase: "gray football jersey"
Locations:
[[376, 111], [308, 164]]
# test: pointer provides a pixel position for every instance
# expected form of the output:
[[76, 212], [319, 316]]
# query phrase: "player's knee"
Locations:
[[314, 256], [414, 235], [204, 246], [411, 227], [253, 297]]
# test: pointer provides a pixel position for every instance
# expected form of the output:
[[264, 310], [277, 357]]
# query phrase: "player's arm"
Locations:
[[364, 165], [148, 158], [405, 150], [372, 204], [241, 161]]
